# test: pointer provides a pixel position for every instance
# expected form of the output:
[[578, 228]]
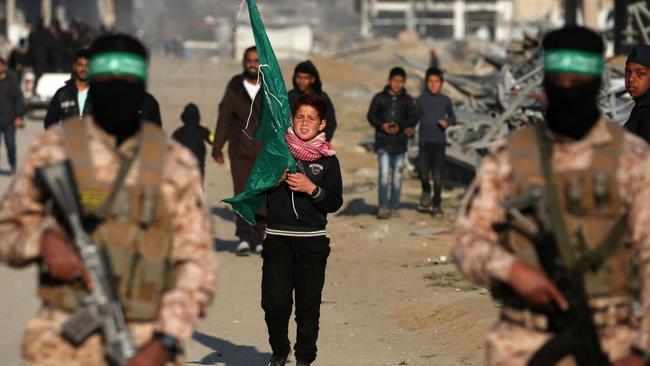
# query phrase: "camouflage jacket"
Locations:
[[484, 261]]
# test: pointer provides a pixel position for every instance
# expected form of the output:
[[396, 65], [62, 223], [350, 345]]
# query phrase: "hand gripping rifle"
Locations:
[[576, 333], [102, 310]]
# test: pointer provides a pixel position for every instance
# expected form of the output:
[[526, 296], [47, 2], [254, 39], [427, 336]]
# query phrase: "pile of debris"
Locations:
[[489, 106]]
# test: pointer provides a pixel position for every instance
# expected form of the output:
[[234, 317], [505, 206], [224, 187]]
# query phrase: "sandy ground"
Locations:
[[386, 301]]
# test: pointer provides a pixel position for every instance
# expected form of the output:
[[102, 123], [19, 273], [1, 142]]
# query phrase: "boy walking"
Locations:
[[296, 247], [392, 115], [435, 113]]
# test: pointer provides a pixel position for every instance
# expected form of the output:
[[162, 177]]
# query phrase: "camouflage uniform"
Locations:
[[23, 220], [480, 257]]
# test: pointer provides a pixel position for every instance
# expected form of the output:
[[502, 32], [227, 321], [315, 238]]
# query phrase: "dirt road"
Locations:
[[378, 307]]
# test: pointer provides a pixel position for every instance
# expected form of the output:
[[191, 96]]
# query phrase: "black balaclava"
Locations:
[[116, 101], [307, 67], [572, 112]]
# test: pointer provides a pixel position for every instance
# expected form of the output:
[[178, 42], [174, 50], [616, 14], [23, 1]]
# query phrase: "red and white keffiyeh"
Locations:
[[311, 150]]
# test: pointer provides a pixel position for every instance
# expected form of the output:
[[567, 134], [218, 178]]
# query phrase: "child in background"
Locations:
[[391, 114], [435, 112], [296, 247], [637, 83], [193, 135]]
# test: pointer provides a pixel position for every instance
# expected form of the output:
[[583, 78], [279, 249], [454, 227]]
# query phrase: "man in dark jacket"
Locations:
[[12, 109], [392, 115], [19, 59], [236, 125], [38, 40], [637, 83], [306, 79], [70, 100]]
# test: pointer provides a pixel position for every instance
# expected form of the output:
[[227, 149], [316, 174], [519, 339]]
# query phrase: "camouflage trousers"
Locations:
[[43, 346], [509, 344]]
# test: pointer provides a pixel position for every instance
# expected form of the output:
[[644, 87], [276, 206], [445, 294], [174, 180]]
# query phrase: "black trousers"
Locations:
[[293, 264], [431, 160]]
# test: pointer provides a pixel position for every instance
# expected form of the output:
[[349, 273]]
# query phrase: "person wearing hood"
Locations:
[[142, 202], [637, 83], [193, 135], [306, 79], [392, 115], [239, 113], [568, 259]]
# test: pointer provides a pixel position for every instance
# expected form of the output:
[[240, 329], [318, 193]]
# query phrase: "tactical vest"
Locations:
[[591, 208], [132, 224]]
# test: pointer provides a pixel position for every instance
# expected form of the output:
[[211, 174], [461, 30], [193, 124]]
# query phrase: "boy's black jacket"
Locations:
[[639, 121], [400, 109], [312, 213]]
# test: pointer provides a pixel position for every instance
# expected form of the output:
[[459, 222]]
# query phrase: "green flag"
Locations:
[[275, 119]]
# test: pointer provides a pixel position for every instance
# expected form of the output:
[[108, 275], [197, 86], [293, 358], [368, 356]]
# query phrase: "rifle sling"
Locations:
[[125, 167], [552, 198]]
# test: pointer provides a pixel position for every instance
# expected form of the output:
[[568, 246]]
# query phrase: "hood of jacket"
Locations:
[[307, 67]]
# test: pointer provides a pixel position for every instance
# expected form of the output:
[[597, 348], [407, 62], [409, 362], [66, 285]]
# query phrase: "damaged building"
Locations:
[[456, 19]]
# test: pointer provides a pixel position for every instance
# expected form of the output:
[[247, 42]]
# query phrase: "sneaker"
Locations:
[[258, 249], [383, 213], [437, 211], [278, 360], [243, 248], [395, 213]]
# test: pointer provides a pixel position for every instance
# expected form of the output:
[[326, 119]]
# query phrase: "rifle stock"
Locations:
[[102, 308]]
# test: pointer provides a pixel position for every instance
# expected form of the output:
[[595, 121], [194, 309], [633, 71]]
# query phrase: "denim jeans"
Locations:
[[391, 168], [9, 131]]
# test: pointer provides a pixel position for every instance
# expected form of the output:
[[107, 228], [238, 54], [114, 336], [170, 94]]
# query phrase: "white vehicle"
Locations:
[[39, 95]]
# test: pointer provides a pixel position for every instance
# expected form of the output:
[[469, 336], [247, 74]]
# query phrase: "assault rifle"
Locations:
[[576, 334], [102, 309]]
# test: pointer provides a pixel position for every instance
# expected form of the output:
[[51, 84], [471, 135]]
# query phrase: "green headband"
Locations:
[[572, 61], [118, 63]]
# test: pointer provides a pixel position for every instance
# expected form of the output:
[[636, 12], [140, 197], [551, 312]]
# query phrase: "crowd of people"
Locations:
[[555, 223], [51, 48]]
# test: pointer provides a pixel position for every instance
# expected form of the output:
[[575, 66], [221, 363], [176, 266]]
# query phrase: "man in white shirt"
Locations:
[[236, 125]]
